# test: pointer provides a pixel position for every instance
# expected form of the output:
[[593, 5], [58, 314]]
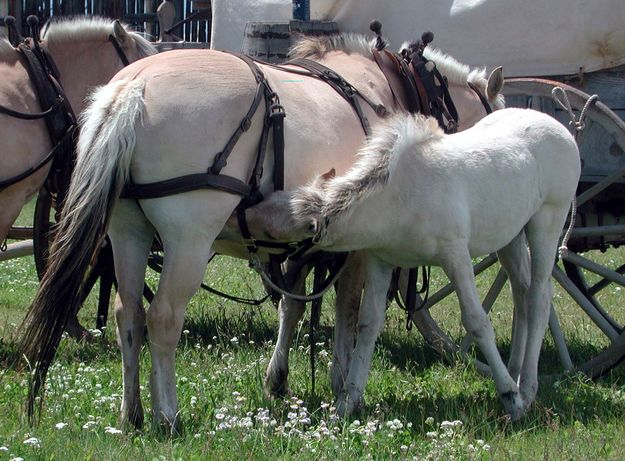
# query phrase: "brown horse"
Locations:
[[86, 58], [152, 123]]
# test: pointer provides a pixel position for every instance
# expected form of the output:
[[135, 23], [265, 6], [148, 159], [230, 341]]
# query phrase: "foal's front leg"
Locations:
[[348, 294], [370, 323], [290, 312]]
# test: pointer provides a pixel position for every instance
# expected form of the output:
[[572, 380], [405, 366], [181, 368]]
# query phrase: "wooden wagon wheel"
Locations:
[[103, 270], [599, 232]]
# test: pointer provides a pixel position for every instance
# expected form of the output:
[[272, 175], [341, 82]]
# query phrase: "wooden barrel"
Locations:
[[271, 41]]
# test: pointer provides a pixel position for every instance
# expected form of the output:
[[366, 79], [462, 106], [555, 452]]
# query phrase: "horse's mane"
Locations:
[[376, 162], [89, 28], [459, 73], [317, 47]]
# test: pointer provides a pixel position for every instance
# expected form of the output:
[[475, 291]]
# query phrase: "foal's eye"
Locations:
[[312, 227]]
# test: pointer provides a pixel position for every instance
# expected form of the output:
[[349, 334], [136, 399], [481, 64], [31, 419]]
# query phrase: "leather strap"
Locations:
[[186, 183]]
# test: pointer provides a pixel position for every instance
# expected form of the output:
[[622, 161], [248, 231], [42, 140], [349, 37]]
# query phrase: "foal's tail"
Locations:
[[105, 150]]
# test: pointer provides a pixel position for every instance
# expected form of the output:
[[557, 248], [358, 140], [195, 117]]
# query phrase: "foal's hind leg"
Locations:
[[457, 265], [515, 260], [543, 233], [131, 237]]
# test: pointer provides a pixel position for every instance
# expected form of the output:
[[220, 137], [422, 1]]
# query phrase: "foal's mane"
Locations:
[[376, 162], [89, 28]]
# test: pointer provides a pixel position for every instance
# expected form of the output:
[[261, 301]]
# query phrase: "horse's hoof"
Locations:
[[514, 405], [76, 331]]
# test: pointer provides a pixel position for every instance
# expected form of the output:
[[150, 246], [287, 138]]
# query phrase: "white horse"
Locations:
[[168, 116], [419, 197]]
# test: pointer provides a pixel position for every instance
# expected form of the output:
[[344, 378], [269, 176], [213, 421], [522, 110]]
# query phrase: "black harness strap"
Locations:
[[186, 184], [30, 116], [43, 162], [341, 86], [119, 49], [484, 101]]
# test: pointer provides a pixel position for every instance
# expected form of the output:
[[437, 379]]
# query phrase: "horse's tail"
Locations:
[[102, 168]]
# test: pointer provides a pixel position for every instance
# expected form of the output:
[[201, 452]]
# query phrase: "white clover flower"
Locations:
[[33, 442], [219, 416], [234, 340], [89, 425], [112, 430], [95, 332], [4, 449], [60, 426], [185, 332]]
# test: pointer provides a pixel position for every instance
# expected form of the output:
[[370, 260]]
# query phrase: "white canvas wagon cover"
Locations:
[[527, 37]]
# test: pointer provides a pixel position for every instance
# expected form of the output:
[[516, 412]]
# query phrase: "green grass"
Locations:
[[413, 400]]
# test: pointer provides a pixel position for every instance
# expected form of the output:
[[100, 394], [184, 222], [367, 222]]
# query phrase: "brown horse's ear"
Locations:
[[121, 34], [495, 83]]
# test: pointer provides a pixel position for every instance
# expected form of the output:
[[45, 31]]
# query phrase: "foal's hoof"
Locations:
[[132, 418], [346, 406], [276, 385], [166, 428], [514, 405]]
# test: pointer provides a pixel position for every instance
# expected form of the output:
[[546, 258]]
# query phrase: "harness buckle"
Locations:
[[277, 111], [246, 123]]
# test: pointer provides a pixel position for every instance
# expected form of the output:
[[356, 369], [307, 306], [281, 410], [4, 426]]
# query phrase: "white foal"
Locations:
[[441, 200]]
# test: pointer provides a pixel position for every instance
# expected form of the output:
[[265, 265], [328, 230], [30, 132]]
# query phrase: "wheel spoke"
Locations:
[[584, 303], [594, 267], [558, 339]]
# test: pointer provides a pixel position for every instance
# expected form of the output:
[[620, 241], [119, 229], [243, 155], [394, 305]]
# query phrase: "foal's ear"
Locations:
[[329, 175], [121, 34], [495, 83]]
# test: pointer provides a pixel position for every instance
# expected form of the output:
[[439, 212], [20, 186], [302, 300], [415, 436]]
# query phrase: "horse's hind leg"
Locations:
[[515, 260], [543, 233], [187, 225], [131, 237], [457, 265]]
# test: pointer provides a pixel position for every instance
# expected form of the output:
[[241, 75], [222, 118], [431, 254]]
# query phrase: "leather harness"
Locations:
[[56, 111]]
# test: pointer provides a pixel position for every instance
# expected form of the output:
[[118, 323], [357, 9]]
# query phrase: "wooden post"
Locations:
[[4, 11], [150, 27], [166, 12], [16, 10]]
